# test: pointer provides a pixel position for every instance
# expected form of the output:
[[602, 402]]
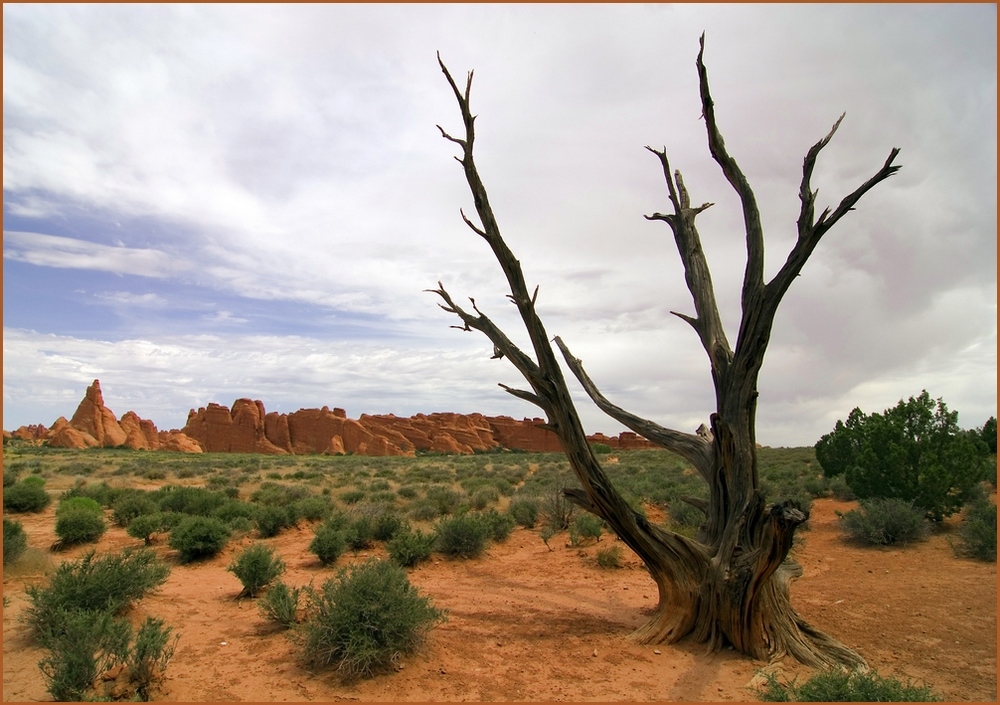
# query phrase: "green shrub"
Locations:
[[352, 496], [408, 548], [147, 658], [484, 497], [25, 496], [363, 620], [882, 522], [108, 583], [280, 604], [256, 566], [977, 532], [498, 526], [196, 501], [313, 508], [463, 536], [270, 520], [88, 644], [524, 511], [144, 526], [198, 537], [329, 543], [78, 526], [837, 686], [360, 534], [387, 525], [85, 504], [585, 526], [128, 507], [914, 451], [424, 510], [234, 510], [610, 556], [15, 540], [445, 499], [841, 490]]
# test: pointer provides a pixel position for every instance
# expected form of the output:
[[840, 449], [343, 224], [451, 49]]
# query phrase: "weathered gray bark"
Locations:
[[730, 584]]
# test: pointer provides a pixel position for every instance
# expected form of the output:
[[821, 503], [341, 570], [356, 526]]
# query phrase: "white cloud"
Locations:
[[64, 252]]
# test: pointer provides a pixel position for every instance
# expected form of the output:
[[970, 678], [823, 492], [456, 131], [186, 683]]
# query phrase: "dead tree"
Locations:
[[730, 584]]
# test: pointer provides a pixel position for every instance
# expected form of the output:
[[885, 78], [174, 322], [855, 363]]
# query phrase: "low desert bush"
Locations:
[[684, 518], [144, 526], [408, 548], [978, 531], [329, 543], [148, 656], [840, 489], [85, 504], [387, 525], [15, 540], [281, 604], [88, 644], [463, 536], [525, 511], [837, 686], [128, 507], [270, 520], [424, 510], [610, 556], [313, 508], [498, 526], [557, 510], [365, 619], [585, 526], [198, 537], [256, 566], [882, 522], [77, 526], [26, 496], [107, 583], [360, 533]]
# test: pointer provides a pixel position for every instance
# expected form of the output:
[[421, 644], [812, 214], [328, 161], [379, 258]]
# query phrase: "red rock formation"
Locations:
[[69, 437], [524, 435], [313, 431], [34, 432], [96, 420], [178, 442], [141, 434], [276, 430], [217, 430]]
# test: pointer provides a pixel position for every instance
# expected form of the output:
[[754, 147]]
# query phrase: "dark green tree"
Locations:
[[914, 451], [989, 434]]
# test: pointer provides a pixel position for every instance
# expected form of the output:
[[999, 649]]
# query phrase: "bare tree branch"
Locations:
[[691, 447], [753, 278]]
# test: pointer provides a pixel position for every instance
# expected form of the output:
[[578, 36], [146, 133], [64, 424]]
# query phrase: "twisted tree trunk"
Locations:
[[730, 584]]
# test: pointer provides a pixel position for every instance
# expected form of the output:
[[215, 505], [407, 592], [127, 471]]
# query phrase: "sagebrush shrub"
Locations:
[[25, 496], [408, 548], [978, 531], [77, 526], [198, 537], [585, 526], [281, 604], [525, 511], [498, 526], [837, 686], [147, 658], [387, 525], [463, 536], [610, 556], [88, 644], [128, 507], [256, 566], [367, 617], [329, 543], [882, 522], [313, 508], [15, 540], [107, 583], [79, 504], [360, 534], [270, 520]]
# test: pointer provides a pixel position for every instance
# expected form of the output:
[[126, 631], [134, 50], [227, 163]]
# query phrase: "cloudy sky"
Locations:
[[203, 203]]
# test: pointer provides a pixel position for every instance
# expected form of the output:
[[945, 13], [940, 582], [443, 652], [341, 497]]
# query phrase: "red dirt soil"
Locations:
[[527, 623]]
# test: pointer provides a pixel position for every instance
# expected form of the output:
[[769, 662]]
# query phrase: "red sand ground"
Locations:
[[527, 623]]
